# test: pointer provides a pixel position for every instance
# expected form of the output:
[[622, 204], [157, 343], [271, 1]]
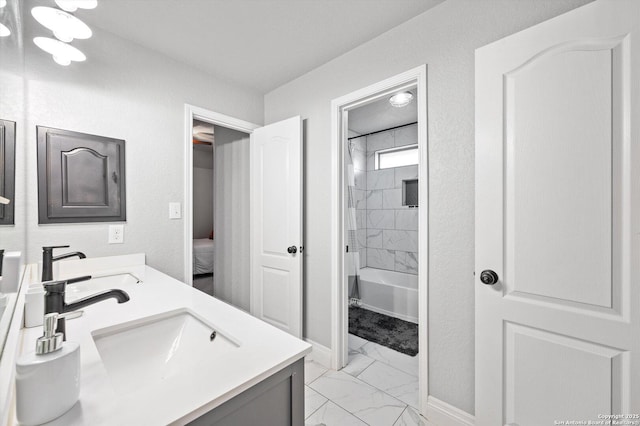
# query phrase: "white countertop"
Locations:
[[263, 351]]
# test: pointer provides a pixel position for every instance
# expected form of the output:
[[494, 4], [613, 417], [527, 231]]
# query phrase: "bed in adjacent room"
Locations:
[[202, 256]]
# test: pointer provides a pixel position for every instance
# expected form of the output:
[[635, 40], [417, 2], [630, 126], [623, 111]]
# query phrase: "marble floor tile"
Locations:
[[410, 417], [406, 363], [369, 404], [357, 363], [392, 381], [312, 370], [356, 342], [312, 401], [332, 415]]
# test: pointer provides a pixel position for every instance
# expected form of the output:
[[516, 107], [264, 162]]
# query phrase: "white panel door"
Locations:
[[276, 225], [558, 220]]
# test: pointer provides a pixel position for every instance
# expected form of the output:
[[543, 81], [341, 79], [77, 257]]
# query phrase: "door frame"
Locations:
[[191, 112], [339, 312]]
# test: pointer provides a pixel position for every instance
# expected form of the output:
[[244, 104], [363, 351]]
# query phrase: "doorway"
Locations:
[[217, 196], [264, 244], [378, 153]]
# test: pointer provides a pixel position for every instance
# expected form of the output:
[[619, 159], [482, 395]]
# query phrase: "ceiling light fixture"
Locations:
[[65, 27], [62, 53], [73, 5], [3, 3], [401, 99], [4, 30]]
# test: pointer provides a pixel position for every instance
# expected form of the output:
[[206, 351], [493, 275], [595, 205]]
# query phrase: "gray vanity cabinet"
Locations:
[[81, 177], [276, 401]]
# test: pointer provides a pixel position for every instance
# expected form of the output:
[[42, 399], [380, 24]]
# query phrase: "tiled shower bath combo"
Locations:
[[387, 236]]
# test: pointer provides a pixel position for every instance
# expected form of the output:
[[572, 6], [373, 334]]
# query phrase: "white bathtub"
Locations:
[[390, 293]]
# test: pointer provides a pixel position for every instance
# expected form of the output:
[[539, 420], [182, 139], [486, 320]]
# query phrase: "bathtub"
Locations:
[[390, 293]]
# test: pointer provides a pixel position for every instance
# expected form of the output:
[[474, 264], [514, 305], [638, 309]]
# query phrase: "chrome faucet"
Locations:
[[54, 299], [48, 258]]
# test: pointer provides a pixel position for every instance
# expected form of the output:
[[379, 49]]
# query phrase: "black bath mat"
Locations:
[[394, 333]]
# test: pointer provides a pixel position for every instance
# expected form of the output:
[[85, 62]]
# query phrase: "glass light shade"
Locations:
[[4, 31], [73, 5], [3, 3], [62, 53], [401, 99], [65, 27]]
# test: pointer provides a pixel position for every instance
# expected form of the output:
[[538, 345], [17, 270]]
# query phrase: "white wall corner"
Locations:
[[319, 353], [442, 414]]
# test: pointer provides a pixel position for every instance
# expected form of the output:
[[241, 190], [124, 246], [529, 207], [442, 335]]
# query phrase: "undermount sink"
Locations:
[[162, 348], [81, 289]]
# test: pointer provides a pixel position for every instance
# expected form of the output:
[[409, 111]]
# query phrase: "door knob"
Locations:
[[488, 277], [292, 249]]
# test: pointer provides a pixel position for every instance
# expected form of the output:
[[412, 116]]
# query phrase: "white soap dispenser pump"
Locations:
[[47, 380]]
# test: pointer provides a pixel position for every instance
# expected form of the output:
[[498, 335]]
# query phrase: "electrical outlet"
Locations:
[[175, 211], [116, 234]]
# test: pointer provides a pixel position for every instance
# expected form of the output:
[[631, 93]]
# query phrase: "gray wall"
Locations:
[[445, 39], [126, 92]]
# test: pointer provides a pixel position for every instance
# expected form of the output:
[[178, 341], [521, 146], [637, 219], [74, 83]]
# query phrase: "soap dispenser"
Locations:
[[47, 380]]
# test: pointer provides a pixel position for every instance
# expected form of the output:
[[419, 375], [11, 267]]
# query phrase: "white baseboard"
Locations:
[[319, 353], [442, 414]]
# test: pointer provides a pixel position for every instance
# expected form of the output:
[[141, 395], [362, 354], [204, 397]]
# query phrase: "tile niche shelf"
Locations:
[[81, 177]]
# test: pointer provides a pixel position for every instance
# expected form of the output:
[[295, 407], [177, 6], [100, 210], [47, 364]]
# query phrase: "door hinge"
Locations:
[[347, 249]]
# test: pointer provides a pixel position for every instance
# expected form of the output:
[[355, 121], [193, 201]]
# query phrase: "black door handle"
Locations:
[[489, 277], [292, 249]]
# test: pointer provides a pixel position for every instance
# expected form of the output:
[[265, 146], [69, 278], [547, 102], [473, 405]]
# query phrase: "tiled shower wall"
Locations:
[[387, 230]]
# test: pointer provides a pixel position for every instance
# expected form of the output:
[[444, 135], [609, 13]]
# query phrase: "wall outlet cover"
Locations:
[[116, 234]]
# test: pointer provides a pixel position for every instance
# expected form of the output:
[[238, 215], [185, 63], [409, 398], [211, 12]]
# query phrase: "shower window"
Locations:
[[396, 157]]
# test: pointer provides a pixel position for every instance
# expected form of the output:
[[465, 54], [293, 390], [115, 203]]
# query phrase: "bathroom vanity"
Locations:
[[174, 355]]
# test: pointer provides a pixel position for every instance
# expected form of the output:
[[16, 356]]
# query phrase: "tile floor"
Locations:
[[378, 387]]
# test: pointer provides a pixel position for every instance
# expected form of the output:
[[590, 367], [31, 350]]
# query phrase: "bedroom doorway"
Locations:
[[217, 205], [258, 176]]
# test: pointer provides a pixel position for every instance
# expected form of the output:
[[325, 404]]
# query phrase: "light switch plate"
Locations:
[[116, 234], [175, 211]]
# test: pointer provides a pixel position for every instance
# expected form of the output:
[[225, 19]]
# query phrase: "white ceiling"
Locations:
[[261, 44], [380, 115]]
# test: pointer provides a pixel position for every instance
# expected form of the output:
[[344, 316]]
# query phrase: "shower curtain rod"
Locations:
[[383, 130]]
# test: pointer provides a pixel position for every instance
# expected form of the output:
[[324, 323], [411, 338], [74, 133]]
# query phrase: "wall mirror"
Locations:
[[12, 147]]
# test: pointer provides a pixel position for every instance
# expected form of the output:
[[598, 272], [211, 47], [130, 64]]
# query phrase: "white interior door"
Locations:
[[558, 219], [276, 224]]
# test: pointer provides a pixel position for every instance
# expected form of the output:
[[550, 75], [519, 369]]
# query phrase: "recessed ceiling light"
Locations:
[[401, 99], [3, 3], [63, 53], [65, 27], [4, 31], [73, 5]]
